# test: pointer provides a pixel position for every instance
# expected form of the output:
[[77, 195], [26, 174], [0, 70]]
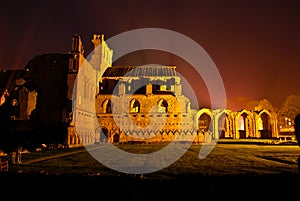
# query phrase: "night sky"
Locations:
[[254, 44]]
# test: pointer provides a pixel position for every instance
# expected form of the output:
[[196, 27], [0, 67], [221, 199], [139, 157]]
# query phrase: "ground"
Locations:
[[253, 169]]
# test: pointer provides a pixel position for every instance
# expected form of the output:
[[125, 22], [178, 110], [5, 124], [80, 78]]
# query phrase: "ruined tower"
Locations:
[[101, 57], [75, 62]]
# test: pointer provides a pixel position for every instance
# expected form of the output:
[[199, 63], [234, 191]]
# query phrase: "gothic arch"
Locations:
[[134, 106], [244, 124], [162, 105], [106, 105], [203, 120], [103, 134], [202, 111], [224, 124], [264, 124], [116, 138]]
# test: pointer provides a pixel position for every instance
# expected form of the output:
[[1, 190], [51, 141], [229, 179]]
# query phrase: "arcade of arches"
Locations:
[[218, 124]]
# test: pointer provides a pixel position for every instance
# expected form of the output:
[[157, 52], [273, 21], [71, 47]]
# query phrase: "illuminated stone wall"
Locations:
[[217, 124], [244, 124], [125, 116], [83, 85], [145, 119]]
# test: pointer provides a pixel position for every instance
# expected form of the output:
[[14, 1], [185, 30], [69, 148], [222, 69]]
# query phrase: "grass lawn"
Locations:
[[228, 168], [225, 159]]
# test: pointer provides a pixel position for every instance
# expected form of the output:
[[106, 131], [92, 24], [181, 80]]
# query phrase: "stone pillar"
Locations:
[[215, 126], [122, 89], [236, 129], [274, 125], [148, 89], [178, 90]]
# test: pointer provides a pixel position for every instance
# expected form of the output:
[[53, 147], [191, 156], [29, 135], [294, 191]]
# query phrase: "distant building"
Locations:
[[114, 103]]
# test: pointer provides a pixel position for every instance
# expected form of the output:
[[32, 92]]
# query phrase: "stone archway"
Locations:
[[103, 135], [134, 106], [265, 126], [116, 138], [224, 125], [107, 106], [204, 123], [244, 124], [162, 106]]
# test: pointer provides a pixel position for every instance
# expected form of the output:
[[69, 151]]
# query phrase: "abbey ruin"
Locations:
[[84, 101]]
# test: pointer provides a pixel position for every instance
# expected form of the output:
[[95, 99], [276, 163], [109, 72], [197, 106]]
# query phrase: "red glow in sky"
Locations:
[[254, 44]]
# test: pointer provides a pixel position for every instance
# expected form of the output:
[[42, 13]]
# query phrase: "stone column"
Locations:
[[148, 89]]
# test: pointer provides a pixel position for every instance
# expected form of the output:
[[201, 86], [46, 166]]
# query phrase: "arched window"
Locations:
[[265, 121], [243, 125], [134, 106], [162, 106], [204, 123], [107, 106]]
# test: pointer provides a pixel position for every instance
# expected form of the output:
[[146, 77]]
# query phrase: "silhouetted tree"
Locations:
[[267, 105], [259, 105], [291, 107]]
